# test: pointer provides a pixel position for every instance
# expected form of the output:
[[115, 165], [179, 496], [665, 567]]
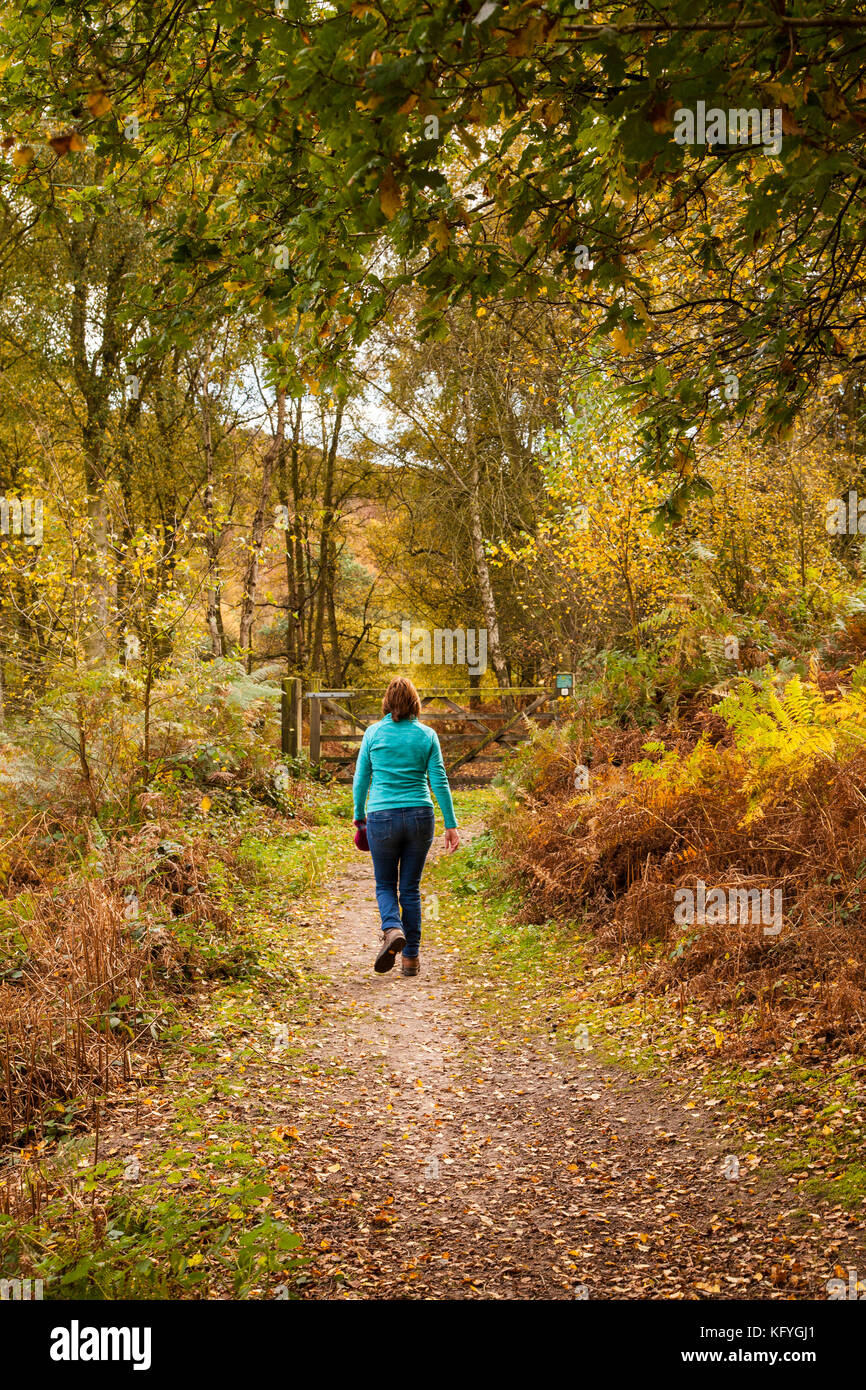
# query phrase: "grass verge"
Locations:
[[785, 1109], [174, 1194]]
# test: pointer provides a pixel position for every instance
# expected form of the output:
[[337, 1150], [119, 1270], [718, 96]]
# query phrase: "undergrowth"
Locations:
[[106, 998], [762, 793]]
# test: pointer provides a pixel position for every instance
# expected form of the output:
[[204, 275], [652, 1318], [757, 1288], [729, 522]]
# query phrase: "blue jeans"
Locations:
[[399, 843]]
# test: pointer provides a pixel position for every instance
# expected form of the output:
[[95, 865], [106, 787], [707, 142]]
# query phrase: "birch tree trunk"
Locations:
[[325, 571], [295, 587], [482, 569]]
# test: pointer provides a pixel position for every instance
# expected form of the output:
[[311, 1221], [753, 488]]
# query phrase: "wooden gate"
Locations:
[[468, 727]]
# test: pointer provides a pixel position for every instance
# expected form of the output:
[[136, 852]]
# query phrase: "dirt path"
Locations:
[[436, 1163], [421, 1155]]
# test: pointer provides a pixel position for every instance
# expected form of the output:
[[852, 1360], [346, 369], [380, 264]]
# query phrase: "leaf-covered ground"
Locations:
[[437, 1137], [442, 1160]]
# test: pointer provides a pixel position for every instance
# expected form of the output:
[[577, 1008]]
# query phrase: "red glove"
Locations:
[[361, 834]]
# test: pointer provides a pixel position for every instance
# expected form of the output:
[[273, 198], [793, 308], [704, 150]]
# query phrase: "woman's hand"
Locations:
[[452, 841]]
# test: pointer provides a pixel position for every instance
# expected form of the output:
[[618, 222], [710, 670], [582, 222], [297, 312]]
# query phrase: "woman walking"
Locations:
[[397, 756]]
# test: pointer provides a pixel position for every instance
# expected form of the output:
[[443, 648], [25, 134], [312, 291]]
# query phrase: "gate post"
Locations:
[[315, 718], [315, 728], [291, 717]]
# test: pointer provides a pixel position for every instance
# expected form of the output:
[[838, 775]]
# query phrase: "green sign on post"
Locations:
[[564, 684]]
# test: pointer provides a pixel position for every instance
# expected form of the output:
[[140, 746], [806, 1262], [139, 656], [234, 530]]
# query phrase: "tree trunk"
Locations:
[[95, 379], [257, 535], [295, 588], [124, 595], [212, 541], [99, 573], [324, 577], [333, 631], [482, 569]]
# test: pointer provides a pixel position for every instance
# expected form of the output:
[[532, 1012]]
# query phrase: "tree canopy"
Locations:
[[309, 159]]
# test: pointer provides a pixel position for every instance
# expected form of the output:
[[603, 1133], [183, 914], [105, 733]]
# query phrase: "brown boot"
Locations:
[[393, 941], [411, 965]]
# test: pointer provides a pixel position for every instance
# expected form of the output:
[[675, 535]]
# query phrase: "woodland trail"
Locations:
[[457, 1169], [421, 1156]]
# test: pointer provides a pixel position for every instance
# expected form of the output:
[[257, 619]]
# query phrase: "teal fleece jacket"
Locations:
[[397, 757]]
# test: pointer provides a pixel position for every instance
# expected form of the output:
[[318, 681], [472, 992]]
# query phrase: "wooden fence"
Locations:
[[352, 710]]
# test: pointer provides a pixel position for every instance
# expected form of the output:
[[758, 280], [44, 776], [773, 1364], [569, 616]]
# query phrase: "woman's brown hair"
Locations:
[[401, 700]]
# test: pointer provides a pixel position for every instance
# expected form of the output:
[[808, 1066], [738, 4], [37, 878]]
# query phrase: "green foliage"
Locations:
[[152, 1244], [551, 111], [119, 736]]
